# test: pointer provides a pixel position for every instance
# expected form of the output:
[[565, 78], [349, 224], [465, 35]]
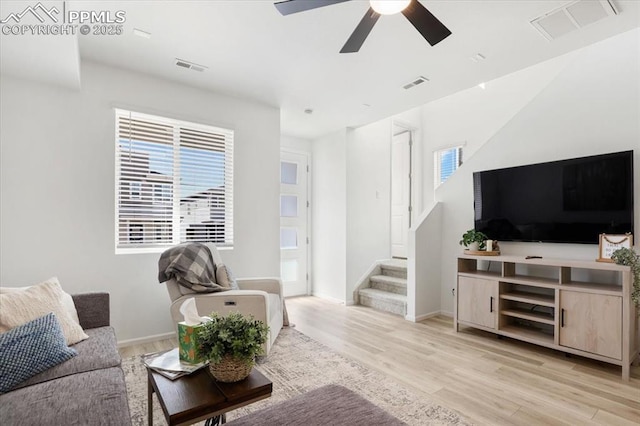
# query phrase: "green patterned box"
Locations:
[[188, 343]]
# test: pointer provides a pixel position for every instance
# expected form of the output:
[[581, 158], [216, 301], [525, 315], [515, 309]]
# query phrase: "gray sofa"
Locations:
[[89, 389]]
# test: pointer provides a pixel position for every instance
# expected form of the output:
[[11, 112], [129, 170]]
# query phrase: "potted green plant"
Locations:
[[473, 240], [231, 344], [628, 257]]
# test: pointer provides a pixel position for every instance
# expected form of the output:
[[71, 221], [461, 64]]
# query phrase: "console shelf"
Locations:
[[528, 335], [553, 303], [527, 315], [538, 282], [531, 298]]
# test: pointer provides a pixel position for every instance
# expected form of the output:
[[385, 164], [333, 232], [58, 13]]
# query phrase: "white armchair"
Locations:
[[260, 297]]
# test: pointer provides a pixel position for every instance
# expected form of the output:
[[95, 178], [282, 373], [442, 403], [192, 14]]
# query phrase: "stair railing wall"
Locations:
[[424, 265]]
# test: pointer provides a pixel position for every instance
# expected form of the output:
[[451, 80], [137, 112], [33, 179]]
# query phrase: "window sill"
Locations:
[[157, 250]]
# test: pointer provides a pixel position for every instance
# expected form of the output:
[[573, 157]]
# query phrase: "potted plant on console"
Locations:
[[231, 344], [473, 240], [628, 257]]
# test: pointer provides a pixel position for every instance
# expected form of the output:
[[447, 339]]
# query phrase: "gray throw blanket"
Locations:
[[192, 265]]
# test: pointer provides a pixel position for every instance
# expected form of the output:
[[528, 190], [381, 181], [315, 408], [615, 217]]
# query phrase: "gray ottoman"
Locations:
[[327, 405]]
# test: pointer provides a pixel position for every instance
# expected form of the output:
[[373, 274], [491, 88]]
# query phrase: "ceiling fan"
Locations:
[[428, 25]]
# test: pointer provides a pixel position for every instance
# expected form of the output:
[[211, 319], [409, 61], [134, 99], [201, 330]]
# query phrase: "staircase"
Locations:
[[385, 287]]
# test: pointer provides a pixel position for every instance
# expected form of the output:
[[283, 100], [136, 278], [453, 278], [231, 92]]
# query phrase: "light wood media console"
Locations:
[[575, 306]]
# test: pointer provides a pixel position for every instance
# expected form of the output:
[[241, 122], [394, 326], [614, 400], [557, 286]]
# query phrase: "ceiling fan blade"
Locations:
[[428, 25], [294, 6], [361, 32]]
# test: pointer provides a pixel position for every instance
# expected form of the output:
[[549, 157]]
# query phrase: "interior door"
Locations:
[[294, 215], [400, 192]]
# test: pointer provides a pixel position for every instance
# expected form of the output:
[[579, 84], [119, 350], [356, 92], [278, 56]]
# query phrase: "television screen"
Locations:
[[568, 201]]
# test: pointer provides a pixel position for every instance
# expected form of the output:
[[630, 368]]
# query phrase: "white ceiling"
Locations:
[[292, 62]]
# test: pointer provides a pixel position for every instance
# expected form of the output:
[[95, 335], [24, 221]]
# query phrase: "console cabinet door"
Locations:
[[478, 301], [591, 323]]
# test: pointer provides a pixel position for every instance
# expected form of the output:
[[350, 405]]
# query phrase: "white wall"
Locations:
[[365, 216], [57, 188], [537, 114], [592, 106], [329, 213], [351, 204], [471, 117], [369, 192], [295, 144], [368, 199], [423, 265]]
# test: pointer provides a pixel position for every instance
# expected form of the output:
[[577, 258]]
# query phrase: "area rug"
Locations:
[[298, 364]]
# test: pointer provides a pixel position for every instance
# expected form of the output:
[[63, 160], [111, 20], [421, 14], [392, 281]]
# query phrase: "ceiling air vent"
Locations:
[[190, 65], [572, 16], [415, 82]]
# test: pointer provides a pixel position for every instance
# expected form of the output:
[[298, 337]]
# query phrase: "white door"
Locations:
[[294, 210], [400, 192]]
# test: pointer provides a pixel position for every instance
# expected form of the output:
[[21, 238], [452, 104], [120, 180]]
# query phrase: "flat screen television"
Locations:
[[568, 201]]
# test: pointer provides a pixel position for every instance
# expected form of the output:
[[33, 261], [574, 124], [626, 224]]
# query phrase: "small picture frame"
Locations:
[[612, 242]]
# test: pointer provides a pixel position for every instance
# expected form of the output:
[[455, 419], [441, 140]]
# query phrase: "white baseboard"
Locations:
[[143, 340], [330, 299], [429, 315]]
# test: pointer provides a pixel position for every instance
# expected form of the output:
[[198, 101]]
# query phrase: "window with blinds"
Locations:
[[446, 162], [174, 182]]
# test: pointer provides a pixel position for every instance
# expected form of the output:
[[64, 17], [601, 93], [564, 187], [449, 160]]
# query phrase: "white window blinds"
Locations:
[[446, 162], [174, 182]]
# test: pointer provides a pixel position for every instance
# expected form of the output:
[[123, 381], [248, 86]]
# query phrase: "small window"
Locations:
[[446, 162]]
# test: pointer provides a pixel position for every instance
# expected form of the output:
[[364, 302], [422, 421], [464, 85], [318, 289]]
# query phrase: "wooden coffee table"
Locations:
[[199, 396]]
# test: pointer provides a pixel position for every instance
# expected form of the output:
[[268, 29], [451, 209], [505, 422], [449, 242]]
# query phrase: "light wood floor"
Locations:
[[491, 381]]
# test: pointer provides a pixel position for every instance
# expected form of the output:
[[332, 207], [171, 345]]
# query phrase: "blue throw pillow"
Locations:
[[30, 349]]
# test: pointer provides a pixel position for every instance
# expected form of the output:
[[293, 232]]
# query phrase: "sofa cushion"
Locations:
[[96, 352], [20, 307], [31, 348], [66, 299], [96, 397]]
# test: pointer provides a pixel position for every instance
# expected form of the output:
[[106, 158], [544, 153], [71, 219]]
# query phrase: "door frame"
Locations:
[[307, 155], [415, 187]]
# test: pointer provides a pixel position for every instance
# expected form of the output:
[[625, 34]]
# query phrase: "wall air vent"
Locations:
[[572, 16], [415, 82], [190, 65]]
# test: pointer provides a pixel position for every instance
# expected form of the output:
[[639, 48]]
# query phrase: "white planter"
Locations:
[[474, 246]]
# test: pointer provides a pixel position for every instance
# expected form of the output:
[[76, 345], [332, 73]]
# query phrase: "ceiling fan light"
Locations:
[[389, 7]]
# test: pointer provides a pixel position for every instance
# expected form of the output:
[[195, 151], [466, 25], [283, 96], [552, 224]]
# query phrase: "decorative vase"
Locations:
[[474, 246], [230, 369]]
